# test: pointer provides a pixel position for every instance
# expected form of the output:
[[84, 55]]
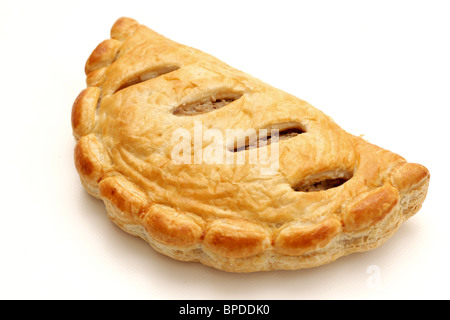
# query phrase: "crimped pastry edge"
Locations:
[[340, 246]]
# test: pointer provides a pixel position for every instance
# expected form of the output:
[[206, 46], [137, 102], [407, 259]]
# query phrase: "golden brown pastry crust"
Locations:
[[140, 88]]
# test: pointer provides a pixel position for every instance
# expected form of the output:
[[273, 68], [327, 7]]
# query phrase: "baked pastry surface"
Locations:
[[332, 193]]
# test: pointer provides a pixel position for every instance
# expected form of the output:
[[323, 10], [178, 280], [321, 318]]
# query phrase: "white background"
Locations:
[[378, 68]]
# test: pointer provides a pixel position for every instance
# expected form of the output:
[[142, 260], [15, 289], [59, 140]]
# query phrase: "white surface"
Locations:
[[379, 68]]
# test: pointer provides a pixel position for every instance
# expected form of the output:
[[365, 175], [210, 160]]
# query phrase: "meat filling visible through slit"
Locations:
[[202, 107]]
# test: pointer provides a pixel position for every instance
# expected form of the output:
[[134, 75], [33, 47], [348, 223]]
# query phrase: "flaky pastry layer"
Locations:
[[332, 194]]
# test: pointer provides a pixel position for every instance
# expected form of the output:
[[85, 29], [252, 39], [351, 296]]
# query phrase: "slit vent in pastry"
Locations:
[[147, 75], [206, 105], [323, 181], [264, 138]]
